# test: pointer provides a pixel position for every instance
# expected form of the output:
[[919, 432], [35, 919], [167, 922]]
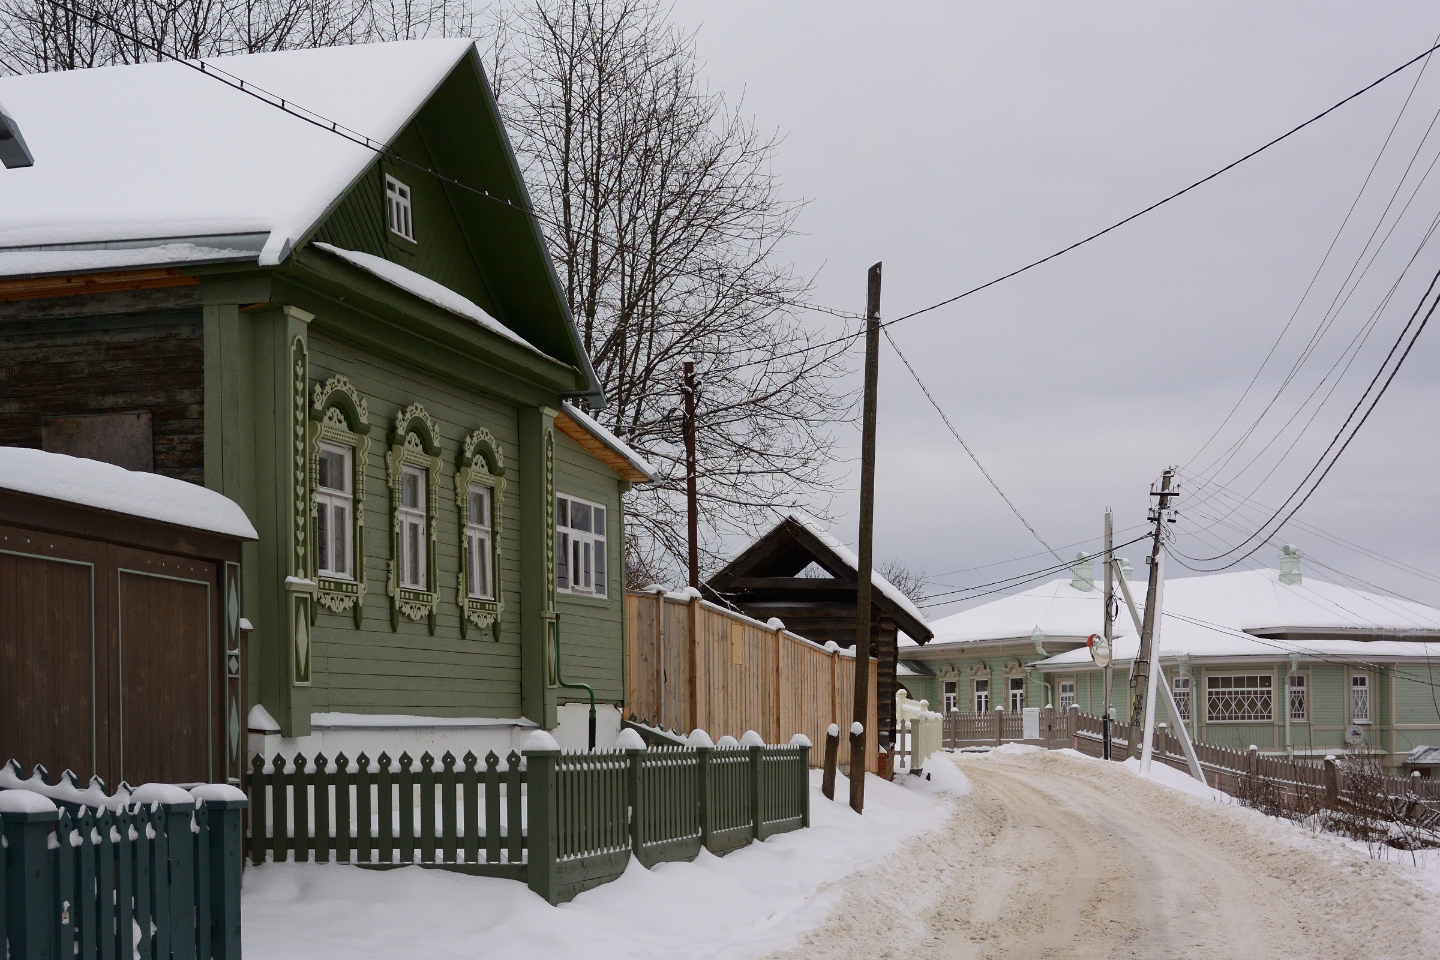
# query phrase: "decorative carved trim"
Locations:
[[481, 461], [948, 672], [552, 678], [979, 671], [340, 415], [299, 587], [1013, 668], [416, 441]]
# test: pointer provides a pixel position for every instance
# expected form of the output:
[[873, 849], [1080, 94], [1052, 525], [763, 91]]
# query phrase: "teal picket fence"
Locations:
[[563, 822], [157, 881]]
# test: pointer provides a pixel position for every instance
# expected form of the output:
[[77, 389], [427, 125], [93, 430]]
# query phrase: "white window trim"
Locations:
[[400, 209], [486, 531], [416, 517], [950, 695], [1303, 688], [1011, 692], [1369, 698], [584, 544], [981, 697], [1185, 704], [326, 499], [1060, 691], [1215, 694]]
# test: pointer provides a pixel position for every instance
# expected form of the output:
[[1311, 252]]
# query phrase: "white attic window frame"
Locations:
[[399, 211]]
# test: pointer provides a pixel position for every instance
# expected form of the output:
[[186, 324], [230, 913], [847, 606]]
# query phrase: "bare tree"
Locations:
[[664, 220], [909, 582]]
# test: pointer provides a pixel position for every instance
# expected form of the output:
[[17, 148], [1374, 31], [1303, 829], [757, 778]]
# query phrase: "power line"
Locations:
[[1341, 432], [1019, 578], [1029, 556], [956, 434]]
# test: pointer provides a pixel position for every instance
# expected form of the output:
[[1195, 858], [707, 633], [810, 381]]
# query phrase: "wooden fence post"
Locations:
[[226, 854], [634, 755], [832, 757], [1072, 720], [999, 725], [1252, 760], [1332, 782], [540, 817], [757, 759], [699, 682], [30, 887]]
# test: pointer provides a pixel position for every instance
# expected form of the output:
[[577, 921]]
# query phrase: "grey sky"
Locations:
[[957, 142]]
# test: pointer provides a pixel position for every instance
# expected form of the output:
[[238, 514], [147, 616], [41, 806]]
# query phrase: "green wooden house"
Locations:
[[1273, 658], [323, 296]]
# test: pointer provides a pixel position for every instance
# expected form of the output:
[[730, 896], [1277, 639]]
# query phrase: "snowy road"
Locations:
[[1053, 856]]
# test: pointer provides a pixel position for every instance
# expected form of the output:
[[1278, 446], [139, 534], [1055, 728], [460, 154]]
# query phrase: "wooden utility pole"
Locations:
[[863, 625], [1142, 677], [1109, 630], [692, 509]]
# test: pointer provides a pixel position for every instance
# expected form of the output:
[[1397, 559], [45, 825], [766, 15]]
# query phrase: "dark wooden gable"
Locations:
[[766, 575], [764, 581]]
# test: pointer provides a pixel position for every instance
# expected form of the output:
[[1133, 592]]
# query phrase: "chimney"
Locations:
[[1082, 578], [1290, 564]]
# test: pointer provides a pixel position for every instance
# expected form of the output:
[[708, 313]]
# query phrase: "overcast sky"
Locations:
[[958, 142]]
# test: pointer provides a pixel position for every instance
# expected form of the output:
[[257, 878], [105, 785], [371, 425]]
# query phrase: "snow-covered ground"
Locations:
[[746, 904]]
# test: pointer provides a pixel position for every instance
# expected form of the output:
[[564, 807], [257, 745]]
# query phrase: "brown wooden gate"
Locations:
[[118, 647]]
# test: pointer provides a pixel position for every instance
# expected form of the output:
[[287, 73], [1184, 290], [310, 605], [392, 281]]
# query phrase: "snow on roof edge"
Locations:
[[104, 486], [891, 591], [611, 441]]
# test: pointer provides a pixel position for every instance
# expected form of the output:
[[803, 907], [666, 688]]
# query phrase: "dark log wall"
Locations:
[[108, 353]]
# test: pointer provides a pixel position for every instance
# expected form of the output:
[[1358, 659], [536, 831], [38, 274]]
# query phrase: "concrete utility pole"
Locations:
[[867, 529], [1144, 675], [1109, 629], [692, 509]]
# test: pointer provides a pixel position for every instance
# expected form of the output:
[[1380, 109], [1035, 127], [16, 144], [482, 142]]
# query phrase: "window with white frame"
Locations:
[[480, 544], [579, 546], [1180, 686], [398, 210], [950, 688], [335, 512], [1239, 697], [1067, 694], [1017, 694], [982, 696], [413, 488], [1299, 699], [1359, 698]]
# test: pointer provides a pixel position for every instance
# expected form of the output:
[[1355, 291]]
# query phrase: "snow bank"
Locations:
[[1177, 780], [1010, 749], [939, 776], [105, 486], [747, 904]]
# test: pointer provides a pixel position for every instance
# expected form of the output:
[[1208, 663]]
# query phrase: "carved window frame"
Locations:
[[340, 415], [416, 441], [481, 462]]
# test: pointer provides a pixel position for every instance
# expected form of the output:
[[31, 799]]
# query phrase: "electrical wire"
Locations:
[[1019, 578], [956, 434]]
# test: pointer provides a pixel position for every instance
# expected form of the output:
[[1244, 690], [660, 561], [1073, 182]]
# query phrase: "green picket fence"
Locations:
[[563, 822], [158, 881]]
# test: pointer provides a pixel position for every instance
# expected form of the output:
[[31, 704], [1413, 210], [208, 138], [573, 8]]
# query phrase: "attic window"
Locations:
[[397, 209]]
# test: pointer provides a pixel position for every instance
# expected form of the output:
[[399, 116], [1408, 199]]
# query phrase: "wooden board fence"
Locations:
[[695, 664]]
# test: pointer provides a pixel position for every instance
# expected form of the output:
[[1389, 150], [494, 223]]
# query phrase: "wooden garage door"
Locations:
[[167, 659], [48, 662]]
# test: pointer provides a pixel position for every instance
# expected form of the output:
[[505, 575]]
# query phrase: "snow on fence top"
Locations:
[[187, 156], [105, 486]]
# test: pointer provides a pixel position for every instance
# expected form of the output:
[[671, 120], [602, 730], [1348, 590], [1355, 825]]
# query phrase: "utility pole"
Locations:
[[1109, 629], [867, 530], [1145, 674], [692, 510]]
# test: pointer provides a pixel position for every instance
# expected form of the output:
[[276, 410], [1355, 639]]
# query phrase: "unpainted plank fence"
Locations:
[[561, 822], [157, 881], [695, 665]]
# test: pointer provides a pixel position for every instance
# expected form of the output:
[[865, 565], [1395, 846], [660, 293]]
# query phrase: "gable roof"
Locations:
[[1246, 613], [157, 164], [797, 541]]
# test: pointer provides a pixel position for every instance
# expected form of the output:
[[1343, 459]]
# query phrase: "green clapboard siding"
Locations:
[[1416, 695], [593, 630]]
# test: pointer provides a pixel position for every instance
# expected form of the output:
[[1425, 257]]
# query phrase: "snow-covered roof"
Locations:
[[105, 486], [80, 258], [426, 289], [614, 443], [161, 151], [848, 557], [1217, 615]]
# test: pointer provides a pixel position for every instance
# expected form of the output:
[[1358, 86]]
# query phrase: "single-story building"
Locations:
[[1273, 658], [351, 328]]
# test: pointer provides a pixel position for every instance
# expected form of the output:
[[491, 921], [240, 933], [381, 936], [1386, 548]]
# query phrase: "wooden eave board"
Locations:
[[598, 448], [109, 281]]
